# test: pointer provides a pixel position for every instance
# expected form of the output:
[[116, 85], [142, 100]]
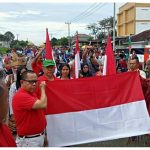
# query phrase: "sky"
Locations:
[[28, 20]]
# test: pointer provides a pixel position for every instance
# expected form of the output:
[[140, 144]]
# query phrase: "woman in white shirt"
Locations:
[[13, 89]]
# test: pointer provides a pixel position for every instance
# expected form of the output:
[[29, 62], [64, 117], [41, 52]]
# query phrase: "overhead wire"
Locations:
[[84, 12], [90, 12]]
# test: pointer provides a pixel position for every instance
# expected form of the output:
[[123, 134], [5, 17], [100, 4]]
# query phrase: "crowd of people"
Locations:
[[24, 73]]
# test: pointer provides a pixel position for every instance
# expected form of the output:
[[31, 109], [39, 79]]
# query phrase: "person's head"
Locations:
[[3, 100], [148, 65], [48, 68], [29, 81], [133, 52], [65, 71], [93, 60], [101, 67], [134, 64], [85, 67], [39, 59], [97, 53], [19, 72]]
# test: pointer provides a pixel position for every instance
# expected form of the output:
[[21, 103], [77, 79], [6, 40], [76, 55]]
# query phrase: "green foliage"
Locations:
[[9, 36], [3, 50], [2, 37], [18, 44], [54, 41], [90, 38], [62, 41], [101, 28]]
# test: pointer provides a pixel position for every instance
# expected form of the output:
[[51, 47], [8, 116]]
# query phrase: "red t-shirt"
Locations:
[[36, 67], [6, 138], [44, 78], [28, 121], [40, 79], [123, 64], [38, 91]]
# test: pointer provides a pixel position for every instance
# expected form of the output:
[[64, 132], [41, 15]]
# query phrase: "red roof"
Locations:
[[143, 36]]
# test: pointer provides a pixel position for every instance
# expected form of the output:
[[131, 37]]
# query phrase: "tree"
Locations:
[[101, 29], [54, 41], [10, 37], [90, 38], [18, 44], [2, 37], [63, 41], [93, 27], [23, 43]]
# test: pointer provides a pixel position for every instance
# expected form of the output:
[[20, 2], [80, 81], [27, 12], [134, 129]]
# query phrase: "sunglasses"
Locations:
[[31, 81]]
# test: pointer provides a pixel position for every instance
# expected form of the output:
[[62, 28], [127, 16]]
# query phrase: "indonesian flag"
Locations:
[[109, 61], [96, 109], [48, 48], [77, 66]]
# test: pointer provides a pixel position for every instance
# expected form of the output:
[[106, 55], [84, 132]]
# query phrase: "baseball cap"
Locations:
[[47, 63]]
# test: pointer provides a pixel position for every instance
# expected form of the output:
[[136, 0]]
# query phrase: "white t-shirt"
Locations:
[[12, 91]]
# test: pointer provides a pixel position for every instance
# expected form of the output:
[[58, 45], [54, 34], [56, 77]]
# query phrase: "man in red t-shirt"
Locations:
[[37, 63], [6, 138], [48, 69], [28, 112]]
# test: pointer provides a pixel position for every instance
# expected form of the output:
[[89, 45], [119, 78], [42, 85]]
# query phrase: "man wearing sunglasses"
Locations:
[[28, 112]]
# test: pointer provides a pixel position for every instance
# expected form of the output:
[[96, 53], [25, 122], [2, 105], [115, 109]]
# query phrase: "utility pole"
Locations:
[[114, 23], [69, 40], [17, 36], [51, 36]]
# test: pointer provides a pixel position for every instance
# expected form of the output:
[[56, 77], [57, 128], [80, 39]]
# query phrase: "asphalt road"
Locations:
[[141, 141]]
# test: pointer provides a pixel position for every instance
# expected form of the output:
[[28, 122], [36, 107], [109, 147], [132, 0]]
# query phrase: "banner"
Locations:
[[96, 109]]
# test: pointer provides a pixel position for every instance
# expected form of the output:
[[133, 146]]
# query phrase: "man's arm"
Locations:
[[37, 56], [3, 101], [42, 102]]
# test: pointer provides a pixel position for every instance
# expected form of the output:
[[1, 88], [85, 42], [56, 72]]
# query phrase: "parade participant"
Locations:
[[13, 89], [6, 139], [85, 71], [15, 62], [148, 68], [134, 66], [48, 69], [100, 72], [65, 72], [28, 111], [37, 63], [87, 57]]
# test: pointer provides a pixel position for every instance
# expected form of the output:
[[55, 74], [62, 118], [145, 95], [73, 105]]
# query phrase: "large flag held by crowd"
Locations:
[[96, 109]]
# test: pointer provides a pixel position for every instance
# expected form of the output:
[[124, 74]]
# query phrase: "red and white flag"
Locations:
[[83, 111], [77, 66], [109, 61], [49, 51], [48, 48]]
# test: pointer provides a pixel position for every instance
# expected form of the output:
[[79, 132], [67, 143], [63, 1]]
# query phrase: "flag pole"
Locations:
[[114, 21], [129, 45]]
